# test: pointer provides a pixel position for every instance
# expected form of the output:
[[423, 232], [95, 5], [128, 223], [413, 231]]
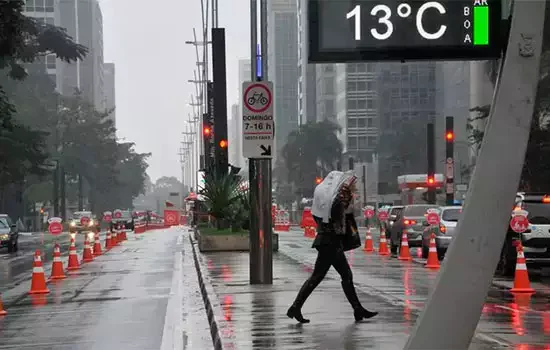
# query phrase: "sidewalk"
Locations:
[[140, 295]]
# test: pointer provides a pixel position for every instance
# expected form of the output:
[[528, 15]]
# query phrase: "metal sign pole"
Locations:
[[261, 247]]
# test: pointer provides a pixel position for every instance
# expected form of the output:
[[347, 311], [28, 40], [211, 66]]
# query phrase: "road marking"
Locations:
[[172, 334]]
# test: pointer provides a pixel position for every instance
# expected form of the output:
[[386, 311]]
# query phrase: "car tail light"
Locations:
[[546, 199], [442, 228], [408, 222]]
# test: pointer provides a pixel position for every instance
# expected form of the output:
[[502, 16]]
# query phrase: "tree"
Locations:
[[311, 151]]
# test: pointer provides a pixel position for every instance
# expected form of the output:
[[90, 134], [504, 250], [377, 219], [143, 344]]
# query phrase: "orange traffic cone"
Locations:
[[57, 265], [118, 237], [368, 242], [38, 283], [97, 245], [521, 278], [2, 311], [87, 255], [108, 242], [404, 253], [113, 239], [383, 247], [73, 257], [124, 237], [433, 261]]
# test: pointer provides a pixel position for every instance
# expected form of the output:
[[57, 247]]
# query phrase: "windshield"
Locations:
[[451, 214], [539, 213], [81, 214], [396, 211], [4, 223], [417, 210]]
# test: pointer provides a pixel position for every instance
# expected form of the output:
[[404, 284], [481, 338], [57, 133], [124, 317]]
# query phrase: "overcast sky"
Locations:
[[146, 41]]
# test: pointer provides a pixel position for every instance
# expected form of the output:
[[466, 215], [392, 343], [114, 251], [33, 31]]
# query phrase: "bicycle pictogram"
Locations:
[[258, 98]]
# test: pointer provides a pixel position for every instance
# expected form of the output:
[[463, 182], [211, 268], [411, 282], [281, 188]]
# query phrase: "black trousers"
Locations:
[[329, 256]]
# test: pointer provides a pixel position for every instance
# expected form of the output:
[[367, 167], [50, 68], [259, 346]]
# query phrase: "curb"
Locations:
[[214, 330]]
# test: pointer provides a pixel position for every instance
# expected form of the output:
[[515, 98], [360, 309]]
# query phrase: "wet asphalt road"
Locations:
[[253, 317], [139, 295]]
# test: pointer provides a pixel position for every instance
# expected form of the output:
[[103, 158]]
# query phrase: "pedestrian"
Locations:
[[337, 232]]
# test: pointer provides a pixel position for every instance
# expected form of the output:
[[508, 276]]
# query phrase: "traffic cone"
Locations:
[[124, 237], [114, 241], [38, 283], [97, 245], [57, 265], [521, 278], [118, 237], [433, 261], [383, 247], [2, 311], [73, 257], [108, 243], [368, 243], [404, 253], [87, 255]]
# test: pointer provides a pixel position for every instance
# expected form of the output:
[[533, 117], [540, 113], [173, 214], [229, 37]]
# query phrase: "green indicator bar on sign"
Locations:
[[481, 25]]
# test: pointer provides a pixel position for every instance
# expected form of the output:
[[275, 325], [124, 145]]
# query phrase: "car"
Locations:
[[393, 213], [444, 232], [9, 234], [410, 220], [535, 240], [76, 225], [126, 221]]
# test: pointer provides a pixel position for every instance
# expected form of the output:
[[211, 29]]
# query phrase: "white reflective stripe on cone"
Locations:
[[72, 252], [404, 244], [38, 269], [521, 267], [56, 259], [521, 255], [433, 249]]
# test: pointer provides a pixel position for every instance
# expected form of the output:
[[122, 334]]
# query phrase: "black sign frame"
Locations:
[[378, 53]]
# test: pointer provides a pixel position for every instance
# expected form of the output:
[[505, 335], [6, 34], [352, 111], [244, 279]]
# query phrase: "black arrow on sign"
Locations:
[[266, 150]]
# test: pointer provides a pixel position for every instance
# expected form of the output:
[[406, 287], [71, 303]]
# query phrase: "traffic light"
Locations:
[[223, 144], [206, 131], [41, 210], [430, 181], [318, 180], [449, 160]]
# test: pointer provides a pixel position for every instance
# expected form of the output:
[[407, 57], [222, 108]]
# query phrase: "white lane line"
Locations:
[[172, 334]]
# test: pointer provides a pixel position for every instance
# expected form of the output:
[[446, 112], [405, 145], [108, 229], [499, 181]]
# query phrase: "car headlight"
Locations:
[[91, 223], [73, 224], [4, 237]]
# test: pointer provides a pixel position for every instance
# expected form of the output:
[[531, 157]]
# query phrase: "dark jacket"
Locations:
[[334, 232]]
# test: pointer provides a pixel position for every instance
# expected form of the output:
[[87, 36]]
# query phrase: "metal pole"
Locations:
[[465, 278], [430, 147], [55, 198], [449, 161]]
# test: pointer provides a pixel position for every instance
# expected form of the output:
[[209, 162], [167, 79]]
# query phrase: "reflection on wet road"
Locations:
[[253, 317]]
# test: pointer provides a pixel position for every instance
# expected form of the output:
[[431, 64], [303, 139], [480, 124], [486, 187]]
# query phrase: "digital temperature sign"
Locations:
[[376, 30]]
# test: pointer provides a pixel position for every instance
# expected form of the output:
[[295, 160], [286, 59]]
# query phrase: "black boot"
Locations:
[[359, 312], [295, 311]]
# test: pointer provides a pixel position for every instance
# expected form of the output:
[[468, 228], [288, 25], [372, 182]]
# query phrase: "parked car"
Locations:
[[76, 225], [9, 234], [410, 220], [444, 232], [535, 240], [393, 213]]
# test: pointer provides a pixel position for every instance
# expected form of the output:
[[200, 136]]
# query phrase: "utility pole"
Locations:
[[430, 147], [449, 160]]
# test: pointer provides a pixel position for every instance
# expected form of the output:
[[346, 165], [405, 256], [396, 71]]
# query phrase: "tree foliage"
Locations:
[[312, 150], [535, 172]]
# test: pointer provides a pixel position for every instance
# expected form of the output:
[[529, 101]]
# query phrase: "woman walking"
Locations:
[[332, 210]]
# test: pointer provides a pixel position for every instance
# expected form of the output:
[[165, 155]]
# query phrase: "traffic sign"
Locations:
[[519, 223], [369, 212], [258, 124], [118, 213], [54, 226], [432, 218], [107, 216], [383, 215], [84, 220], [377, 30]]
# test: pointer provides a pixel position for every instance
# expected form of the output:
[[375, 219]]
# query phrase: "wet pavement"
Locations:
[[253, 317], [140, 295]]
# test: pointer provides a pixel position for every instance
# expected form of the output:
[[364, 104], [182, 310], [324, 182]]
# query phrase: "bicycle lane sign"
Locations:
[[258, 126]]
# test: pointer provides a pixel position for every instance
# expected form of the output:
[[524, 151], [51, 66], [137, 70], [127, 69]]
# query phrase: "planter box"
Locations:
[[228, 243]]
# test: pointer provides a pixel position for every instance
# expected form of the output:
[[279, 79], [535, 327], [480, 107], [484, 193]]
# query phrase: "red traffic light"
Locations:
[[450, 136], [206, 131], [223, 144], [318, 180], [431, 181]]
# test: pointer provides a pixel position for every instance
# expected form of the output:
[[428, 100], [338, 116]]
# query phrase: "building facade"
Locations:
[[44, 11], [283, 67], [84, 23], [307, 82], [110, 90], [325, 91]]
